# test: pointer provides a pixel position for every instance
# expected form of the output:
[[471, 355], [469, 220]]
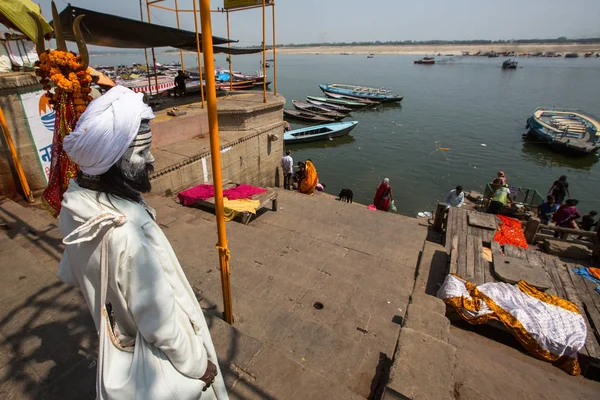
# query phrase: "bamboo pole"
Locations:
[[274, 52], [229, 56], [264, 52], [198, 53], [15, 158], [146, 53], [178, 27], [153, 53], [215, 155]]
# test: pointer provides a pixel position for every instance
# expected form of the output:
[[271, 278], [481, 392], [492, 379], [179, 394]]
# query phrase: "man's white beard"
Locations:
[[136, 174]]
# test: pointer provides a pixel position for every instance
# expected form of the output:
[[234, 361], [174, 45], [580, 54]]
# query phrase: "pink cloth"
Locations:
[[372, 207], [190, 196]]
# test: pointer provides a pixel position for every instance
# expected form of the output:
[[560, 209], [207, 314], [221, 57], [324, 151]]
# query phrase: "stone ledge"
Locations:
[[428, 302], [428, 322], [423, 367]]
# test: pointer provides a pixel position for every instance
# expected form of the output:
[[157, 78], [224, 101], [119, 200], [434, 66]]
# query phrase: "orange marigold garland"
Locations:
[[70, 98]]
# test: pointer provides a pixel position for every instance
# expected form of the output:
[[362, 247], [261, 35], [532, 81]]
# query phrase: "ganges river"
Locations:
[[467, 106]]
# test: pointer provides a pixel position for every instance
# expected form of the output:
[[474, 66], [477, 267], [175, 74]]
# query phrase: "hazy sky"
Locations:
[[307, 21]]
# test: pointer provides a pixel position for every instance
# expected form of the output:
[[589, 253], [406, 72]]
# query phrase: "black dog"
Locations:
[[346, 195]]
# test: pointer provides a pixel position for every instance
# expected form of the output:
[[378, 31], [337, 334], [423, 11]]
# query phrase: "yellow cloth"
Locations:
[[311, 179], [234, 207], [13, 14]]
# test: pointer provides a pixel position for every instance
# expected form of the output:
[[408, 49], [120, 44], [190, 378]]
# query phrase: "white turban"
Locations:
[[106, 129]]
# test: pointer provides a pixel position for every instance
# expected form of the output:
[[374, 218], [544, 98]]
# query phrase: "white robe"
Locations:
[[147, 287]]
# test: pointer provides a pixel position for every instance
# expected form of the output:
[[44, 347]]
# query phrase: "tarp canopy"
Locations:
[[113, 31], [14, 15]]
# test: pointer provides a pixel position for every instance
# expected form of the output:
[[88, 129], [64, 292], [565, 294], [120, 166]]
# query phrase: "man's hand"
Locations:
[[209, 375]]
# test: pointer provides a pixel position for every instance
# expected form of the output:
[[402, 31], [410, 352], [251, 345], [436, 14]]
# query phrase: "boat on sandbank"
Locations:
[[362, 92], [569, 131], [319, 132]]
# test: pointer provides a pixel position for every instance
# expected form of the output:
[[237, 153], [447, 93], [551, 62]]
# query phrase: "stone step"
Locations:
[[432, 268]]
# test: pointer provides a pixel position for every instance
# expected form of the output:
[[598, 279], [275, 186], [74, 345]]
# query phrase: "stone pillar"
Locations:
[[531, 229], [11, 84]]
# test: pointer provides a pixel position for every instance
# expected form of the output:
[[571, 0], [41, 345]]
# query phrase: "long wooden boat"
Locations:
[[324, 111], [339, 102], [362, 92], [236, 85], [330, 106], [319, 132], [351, 98], [509, 64], [570, 131], [425, 61], [305, 116]]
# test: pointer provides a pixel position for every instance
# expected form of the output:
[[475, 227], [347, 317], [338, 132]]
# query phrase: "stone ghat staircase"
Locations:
[[320, 291]]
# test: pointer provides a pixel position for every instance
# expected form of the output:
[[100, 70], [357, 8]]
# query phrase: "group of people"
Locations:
[[305, 179], [563, 212]]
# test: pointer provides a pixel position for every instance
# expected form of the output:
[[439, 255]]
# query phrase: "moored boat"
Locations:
[[330, 106], [324, 111], [339, 102], [425, 61], [306, 116], [361, 92], [319, 132], [571, 131], [351, 98], [571, 55], [509, 64]]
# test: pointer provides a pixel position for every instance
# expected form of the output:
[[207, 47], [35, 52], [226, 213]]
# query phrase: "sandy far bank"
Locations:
[[444, 49]]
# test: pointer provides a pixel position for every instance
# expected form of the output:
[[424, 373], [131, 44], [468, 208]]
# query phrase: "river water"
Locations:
[[460, 103]]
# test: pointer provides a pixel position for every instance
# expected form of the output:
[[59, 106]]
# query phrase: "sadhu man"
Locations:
[[108, 227]]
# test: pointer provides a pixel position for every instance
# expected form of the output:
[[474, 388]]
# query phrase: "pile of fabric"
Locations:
[[510, 231], [235, 200], [549, 327], [591, 274]]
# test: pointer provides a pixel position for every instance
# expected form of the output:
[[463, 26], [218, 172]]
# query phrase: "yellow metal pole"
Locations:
[[264, 53], [215, 155], [153, 53], [274, 53], [178, 27], [16, 160], [229, 55], [198, 53], [146, 54]]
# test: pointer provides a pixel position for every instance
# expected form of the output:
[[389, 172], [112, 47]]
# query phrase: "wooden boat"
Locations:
[[330, 106], [351, 98], [339, 102], [236, 85], [361, 92], [571, 131], [425, 61], [509, 64], [324, 111], [306, 116], [571, 55], [319, 132]]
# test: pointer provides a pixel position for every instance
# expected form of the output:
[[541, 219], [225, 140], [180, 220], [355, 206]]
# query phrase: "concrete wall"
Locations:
[[251, 159], [11, 84]]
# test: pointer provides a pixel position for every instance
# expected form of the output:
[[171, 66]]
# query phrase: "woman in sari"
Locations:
[[383, 196], [310, 179]]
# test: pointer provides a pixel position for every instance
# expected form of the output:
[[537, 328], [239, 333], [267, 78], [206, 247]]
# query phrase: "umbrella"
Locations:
[[13, 14], [102, 79]]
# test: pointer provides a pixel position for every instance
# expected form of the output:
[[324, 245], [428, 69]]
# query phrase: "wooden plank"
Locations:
[[479, 263], [481, 220], [454, 256], [592, 299], [536, 260], [592, 342], [450, 228], [462, 255], [470, 270]]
